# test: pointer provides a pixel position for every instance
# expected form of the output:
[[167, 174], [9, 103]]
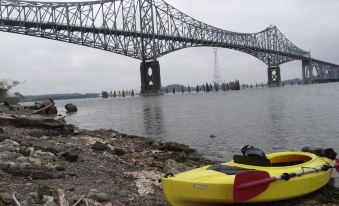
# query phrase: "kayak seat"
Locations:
[[251, 160], [229, 170]]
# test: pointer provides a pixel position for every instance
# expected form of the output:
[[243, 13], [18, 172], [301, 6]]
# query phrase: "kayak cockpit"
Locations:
[[289, 160]]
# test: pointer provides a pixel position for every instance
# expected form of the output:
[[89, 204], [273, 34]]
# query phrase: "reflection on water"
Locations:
[[275, 119], [152, 117]]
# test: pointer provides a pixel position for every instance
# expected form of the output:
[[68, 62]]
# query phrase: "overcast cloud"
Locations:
[[47, 66]]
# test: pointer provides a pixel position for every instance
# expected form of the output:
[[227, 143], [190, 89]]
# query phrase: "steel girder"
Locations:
[[142, 29], [324, 70]]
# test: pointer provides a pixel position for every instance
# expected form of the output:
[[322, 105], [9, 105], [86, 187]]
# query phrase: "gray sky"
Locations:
[[47, 66]]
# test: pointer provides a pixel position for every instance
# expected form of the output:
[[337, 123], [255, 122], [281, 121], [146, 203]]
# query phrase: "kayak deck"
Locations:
[[213, 185]]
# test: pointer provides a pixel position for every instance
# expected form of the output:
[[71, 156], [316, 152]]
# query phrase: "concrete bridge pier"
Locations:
[[274, 77], [150, 78], [307, 71]]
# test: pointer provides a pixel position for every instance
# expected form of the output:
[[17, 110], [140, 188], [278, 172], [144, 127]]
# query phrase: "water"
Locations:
[[276, 119]]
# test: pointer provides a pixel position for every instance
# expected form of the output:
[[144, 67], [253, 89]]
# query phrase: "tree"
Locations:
[[5, 86], [207, 87]]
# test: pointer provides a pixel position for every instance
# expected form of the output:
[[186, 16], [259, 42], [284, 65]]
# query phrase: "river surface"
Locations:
[[273, 119]]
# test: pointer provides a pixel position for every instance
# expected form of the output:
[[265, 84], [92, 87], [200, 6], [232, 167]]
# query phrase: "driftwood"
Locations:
[[62, 198], [30, 121], [42, 109], [15, 200], [77, 202]]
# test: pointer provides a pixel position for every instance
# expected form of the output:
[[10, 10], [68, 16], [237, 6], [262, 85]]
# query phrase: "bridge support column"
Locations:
[[274, 78], [150, 78], [307, 71]]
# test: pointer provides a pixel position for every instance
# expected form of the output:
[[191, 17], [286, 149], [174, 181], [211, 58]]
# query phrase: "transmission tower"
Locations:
[[217, 78]]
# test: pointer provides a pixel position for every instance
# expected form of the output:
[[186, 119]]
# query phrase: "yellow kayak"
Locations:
[[280, 176]]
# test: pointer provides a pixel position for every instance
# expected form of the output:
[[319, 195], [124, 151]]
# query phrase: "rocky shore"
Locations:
[[69, 166]]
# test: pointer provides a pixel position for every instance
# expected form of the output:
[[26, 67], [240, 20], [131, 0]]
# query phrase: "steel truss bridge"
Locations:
[[149, 29]]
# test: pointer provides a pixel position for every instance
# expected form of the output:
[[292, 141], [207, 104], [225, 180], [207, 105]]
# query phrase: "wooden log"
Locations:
[[42, 109], [62, 198], [31, 121]]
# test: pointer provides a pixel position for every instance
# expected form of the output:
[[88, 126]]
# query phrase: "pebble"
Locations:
[[25, 152], [60, 168], [171, 166], [99, 146], [48, 200], [7, 198], [120, 151], [100, 196], [70, 157], [35, 161]]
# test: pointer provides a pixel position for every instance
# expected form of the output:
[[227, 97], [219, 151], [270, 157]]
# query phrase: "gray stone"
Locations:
[[3, 137], [7, 198], [8, 142], [100, 196], [18, 169], [60, 168], [163, 156], [35, 161], [24, 152], [171, 166], [120, 151], [4, 165], [176, 147], [99, 146], [71, 108], [47, 199], [69, 156], [41, 175]]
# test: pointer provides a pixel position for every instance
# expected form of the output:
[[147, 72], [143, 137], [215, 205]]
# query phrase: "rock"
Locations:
[[7, 198], [41, 175], [99, 146], [3, 137], [60, 168], [16, 169], [48, 200], [146, 180], [70, 157], [25, 152], [176, 147], [4, 165], [162, 156], [213, 136], [33, 195], [120, 151], [8, 142], [36, 133], [35, 161], [100, 196], [108, 204], [171, 166], [49, 106], [71, 108], [31, 150], [22, 159]]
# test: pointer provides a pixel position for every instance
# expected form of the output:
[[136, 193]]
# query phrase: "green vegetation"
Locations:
[[5, 87]]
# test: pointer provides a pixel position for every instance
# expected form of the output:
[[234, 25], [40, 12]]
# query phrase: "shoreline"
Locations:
[[100, 167]]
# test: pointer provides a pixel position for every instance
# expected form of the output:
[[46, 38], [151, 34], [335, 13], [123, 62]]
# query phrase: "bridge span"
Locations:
[[149, 29]]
